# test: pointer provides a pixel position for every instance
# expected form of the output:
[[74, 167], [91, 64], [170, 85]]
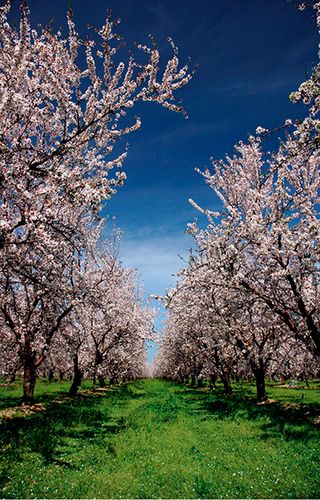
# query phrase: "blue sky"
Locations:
[[251, 55]]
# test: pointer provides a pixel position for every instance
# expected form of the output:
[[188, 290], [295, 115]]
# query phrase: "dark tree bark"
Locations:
[[225, 378], [29, 379], [259, 375], [77, 377], [212, 383]]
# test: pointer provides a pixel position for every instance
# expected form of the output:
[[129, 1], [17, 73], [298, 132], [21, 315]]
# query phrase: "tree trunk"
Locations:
[[77, 377], [259, 375], [212, 383], [50, 376], [305, 378], [29, 380], [102, 382], [226, 382]]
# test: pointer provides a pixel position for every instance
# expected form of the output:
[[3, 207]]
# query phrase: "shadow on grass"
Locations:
[[13, 393], [291, 420], [63, 425], [68, 424]]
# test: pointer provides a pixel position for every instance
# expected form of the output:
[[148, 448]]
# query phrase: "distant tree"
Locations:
[[112, 324]]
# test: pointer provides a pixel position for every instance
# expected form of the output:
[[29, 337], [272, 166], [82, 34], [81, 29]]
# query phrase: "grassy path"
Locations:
[[155, 439]]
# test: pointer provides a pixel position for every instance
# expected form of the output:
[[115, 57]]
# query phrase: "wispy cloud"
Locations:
[[157, 259]]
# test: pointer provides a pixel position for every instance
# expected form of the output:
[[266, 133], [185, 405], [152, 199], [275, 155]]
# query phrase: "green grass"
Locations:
[[156, 439]]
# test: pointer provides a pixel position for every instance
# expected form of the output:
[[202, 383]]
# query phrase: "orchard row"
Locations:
[[66, 302], [248, 303]]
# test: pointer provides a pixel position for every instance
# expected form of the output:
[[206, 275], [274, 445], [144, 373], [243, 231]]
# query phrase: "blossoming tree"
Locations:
[[60, 123], [271, 218], [258, 264]]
